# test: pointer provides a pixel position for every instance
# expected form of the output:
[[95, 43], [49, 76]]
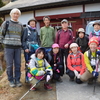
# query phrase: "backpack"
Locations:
[[6, 27], [93, 34], [80, 56], [59, 32], [89, 55]]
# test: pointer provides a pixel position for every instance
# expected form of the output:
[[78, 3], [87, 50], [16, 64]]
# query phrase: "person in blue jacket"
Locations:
[[30, 42]]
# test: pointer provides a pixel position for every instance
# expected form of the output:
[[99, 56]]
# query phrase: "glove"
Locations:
[[98, 52], [78, 76], [55, 65], [76, 73], [29, 75], [41, 73], [48, 78], [95, 74], [58, 71], [50, 71]]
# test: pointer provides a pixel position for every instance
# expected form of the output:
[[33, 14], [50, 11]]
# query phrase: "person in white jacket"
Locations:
[[39, 67]]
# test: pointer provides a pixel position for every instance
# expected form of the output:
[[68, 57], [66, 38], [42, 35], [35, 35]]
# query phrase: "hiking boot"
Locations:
[[47, 86], [18, 83], [71, 79], [33, 89], [60, 80], [12, 84]]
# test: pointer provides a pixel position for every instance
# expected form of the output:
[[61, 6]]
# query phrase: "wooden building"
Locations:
[[77, 12]]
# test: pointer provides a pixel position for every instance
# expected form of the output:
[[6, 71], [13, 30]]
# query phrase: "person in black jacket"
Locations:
[[82, 40], [56, 61]]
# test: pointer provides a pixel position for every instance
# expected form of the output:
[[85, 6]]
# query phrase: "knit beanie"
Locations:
[[73, 45], [93, 40]]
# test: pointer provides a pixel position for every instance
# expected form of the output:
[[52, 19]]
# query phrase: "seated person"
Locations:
[[91, 58], [76, 64], [39, 67], [56, 61]]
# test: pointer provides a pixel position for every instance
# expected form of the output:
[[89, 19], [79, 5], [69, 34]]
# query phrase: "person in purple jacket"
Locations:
[[96, 31], [64, 38]]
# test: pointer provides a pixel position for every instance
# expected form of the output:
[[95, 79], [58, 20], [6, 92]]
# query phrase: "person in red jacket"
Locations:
[[75, 63]]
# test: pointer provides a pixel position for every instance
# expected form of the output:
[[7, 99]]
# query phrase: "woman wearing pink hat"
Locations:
[[56, 61]]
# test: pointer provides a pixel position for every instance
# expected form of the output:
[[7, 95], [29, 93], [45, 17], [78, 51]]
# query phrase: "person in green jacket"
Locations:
[[47, 35]]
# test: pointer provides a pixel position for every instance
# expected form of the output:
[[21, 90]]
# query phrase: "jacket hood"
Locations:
[[33, 56]]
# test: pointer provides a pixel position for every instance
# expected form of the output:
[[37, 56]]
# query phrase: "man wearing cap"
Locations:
[[47, 34], [82, 40], [96, 31], [91, 58], [64, 38]]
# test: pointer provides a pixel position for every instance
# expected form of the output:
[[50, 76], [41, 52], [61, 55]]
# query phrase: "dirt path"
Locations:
[[7, 93]]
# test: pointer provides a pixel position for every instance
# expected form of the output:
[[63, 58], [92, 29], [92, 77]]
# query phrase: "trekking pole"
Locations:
[[95, 78], [94, 85], [32, 87]]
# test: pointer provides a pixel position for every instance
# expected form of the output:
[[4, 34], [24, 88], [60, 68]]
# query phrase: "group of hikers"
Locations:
[[48, 52]]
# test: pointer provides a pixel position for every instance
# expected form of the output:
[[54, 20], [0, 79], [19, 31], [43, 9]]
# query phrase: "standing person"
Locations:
[[30, 42], [29, 39], [38, 67], [91, 58], [47, 35], [76, 64], [82, 40], [12, 46], [96, 31], [64, 38], [56, 62]]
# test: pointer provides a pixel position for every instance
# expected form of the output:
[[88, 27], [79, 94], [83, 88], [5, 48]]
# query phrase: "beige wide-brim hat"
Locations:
[[96, 23], [81, 30]]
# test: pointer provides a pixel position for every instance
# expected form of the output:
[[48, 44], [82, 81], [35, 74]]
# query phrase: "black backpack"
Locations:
[[6, 27]]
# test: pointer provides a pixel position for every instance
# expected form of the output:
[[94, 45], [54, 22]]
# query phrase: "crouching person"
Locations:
[[92, 59], [75, 63], [56, 61], [39, 67]]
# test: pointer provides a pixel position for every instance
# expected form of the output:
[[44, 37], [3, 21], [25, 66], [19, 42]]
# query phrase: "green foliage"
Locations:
[[1, 3], [1, 20], [1, 72]]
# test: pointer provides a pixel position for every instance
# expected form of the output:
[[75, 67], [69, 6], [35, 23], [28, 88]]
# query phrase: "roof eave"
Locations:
[[49, 5]]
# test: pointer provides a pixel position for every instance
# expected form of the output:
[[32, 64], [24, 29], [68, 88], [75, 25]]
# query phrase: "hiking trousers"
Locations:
[[13, 57], [87, 75]]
